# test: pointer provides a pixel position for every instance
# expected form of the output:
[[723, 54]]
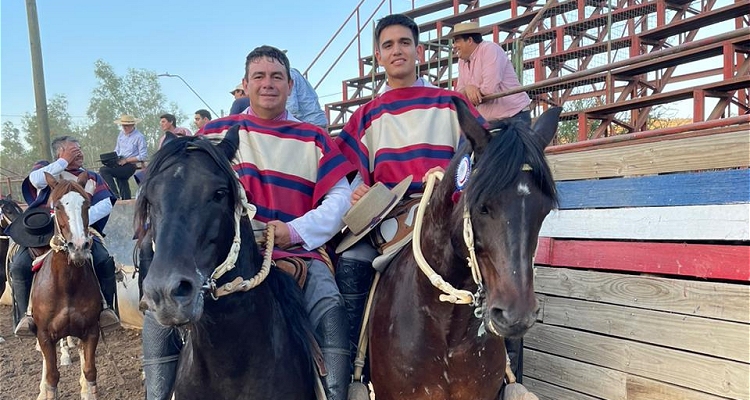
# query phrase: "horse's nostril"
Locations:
[[498, 315], [184, 289]]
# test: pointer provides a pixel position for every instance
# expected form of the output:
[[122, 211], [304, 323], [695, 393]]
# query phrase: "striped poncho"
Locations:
[[403, 132]]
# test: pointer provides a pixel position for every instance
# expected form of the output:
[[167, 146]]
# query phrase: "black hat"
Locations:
[[34, 228]]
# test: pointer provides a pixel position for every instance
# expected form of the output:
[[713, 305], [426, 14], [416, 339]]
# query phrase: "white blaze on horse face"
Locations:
[[179, 172], [523, 189], [73, 204]]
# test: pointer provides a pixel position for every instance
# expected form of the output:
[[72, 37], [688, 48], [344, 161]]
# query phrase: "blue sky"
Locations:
[[205, 43]]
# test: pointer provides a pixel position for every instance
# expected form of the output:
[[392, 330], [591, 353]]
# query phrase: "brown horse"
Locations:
[[424, 348], [65, 294]]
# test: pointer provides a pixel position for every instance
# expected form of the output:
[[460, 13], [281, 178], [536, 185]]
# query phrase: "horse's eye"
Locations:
[[483, 209], [220, 194]]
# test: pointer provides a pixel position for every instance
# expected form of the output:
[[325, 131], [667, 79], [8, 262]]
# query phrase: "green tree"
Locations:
[[137, 93], [15, 159], [60, 123]]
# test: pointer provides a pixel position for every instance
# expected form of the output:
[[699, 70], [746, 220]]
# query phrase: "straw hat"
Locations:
[[367, 213], [34, 228], [238, 87], [126, 119], [465, 28]]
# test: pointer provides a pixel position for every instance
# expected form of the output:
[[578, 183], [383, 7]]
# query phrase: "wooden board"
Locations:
[[680, 189], [547, 391], [725, 301], [590, 379], [706, 374], [686, 259], [647, 389], [722, 151], [716, 222], [725, 339]]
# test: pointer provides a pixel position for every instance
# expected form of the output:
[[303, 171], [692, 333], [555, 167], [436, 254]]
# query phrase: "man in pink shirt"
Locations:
[[484, 69]]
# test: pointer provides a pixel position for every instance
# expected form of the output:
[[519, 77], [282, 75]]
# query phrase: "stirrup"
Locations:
[[108, 320], [25, 327]]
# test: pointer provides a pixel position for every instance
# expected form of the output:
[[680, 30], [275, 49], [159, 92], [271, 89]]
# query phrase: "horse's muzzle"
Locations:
[[507, 323], [173, 302]]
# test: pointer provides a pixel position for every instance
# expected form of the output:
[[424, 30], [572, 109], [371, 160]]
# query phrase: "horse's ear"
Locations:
[[231, 142], [168, 137], [8, 197], [545, 126], [473, 130], [82, 178], [51, 181]]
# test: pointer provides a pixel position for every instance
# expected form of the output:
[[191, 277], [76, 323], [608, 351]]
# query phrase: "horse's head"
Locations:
[[71, 203], [187, 204], [508, 194], [9, 211]]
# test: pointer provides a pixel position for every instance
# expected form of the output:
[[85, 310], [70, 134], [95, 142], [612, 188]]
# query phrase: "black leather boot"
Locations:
[[105, 273], [21, 294], [515, 353], [354, 278], [161, 350], [333, 337]]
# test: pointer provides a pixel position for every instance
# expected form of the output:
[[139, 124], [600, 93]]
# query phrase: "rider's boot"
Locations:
[[354, 278], [108, 319], [161, 350], [333, 336], [21, 295]]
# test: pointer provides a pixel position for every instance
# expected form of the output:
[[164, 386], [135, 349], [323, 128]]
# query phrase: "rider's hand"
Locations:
[[281, 237], [433, 169], [473, 94], [359, 192], [70, 153]]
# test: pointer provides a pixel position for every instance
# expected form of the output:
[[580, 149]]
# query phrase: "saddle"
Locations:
[[395, 232]]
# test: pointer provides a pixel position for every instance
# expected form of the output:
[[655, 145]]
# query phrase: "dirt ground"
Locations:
[[21, 366]]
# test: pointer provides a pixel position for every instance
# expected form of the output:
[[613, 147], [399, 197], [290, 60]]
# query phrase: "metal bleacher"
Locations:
[[621, 58]]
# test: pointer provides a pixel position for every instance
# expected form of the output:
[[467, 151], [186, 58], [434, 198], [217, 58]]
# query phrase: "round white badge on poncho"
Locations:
[[463, 171]]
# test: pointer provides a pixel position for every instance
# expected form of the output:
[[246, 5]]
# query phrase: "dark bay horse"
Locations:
[[9, 210], [424, 348], [252, 344], [65, 295]]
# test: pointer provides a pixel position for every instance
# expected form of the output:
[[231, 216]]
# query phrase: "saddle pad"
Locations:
[[294, 266]]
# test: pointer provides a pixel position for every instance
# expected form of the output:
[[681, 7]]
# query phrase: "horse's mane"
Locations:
[[512, 145], [170, 153]]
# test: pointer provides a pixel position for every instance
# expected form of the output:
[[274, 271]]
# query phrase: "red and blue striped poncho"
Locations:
[[403, 132], [285, 167], [34, 197]]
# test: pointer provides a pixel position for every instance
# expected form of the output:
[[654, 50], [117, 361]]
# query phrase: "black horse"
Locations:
[[9, 210], [249, 344]]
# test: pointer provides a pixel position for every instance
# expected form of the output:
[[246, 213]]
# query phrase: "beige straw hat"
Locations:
[[367, 213], [465, 28], [126, 119]]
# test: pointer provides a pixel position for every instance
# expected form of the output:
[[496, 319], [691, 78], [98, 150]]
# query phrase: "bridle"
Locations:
[[451, 294]]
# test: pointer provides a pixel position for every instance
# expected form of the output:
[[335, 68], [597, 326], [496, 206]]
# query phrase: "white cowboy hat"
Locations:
[[238, 87], [126, 119], [465, 28], [367, 213]]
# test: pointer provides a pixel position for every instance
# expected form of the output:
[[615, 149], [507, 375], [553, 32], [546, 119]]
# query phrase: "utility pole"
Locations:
[[42, 119]]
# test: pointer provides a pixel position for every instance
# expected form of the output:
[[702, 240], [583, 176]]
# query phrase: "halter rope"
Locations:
[[451, 294], [240, 284]]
